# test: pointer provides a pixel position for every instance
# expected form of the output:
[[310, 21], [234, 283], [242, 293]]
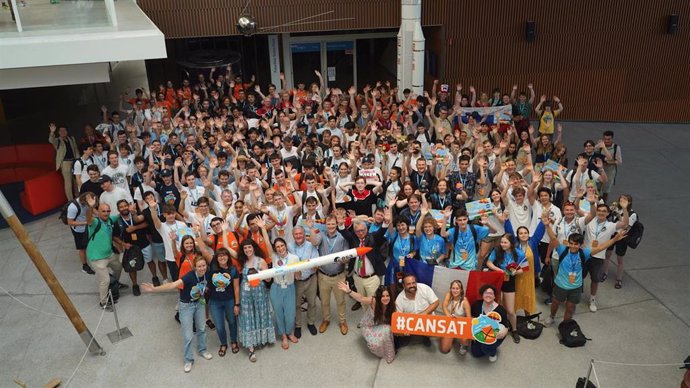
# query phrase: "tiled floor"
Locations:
[[648, 321]]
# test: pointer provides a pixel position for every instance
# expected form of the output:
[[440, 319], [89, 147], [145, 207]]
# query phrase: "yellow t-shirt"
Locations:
[[546, 122]]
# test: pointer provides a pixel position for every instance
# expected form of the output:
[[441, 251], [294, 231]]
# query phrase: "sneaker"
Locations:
[[516, 336], [593, 305], [122, 286], [548, 321], [166, 281], [547, 301], [207, 355], [156, 282], [356, 306], [135, 290], [462, 351], [87, 270], [188, 367], [107, 307], [493, 358], [298, 332], [177, 317]]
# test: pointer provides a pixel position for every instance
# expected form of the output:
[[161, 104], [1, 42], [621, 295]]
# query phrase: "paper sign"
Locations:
[[476, 209], [369, 174], [184, 231], [553, 166], [331, 73], [483, 329]]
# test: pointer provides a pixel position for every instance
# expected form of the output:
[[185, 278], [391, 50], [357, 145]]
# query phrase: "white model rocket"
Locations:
[[411, 44], [255, 279]]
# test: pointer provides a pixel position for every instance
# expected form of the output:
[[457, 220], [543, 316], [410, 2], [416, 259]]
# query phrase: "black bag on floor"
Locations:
[[529, 327], [581, 383], [571, 334], [132, 259], [114, 288]]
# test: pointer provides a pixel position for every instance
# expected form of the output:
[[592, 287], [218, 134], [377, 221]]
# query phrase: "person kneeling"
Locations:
[[483, 307], [418, 298]]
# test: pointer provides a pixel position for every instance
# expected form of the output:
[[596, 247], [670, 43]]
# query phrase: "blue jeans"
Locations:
[[479, 349], [283, 302], [189, 313], [221, 311]]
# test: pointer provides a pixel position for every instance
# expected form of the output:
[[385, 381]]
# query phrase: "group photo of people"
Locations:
[[197, 184]]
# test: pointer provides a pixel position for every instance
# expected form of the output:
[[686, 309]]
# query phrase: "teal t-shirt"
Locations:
[[465, 252], [100, 245], [569, 276]]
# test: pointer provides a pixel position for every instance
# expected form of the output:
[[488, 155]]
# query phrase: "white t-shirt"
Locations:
[[119, 176], [164, 231], [190, 203], [138, 196], [288, 278], [113, 197], [537, 211], [423, 299], [80, 166], [563, 229], [581, 183], [600, 232], [519, 214]]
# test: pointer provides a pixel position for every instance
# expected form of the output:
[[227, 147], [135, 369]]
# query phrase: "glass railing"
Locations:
[[45, 15]]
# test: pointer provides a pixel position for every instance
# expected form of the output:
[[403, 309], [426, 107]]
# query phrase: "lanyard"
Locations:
[[405, 245], [442, 201], [598, 229], [195, 197], [131, 221], [413, 219], [331, 245], [463, 180], [566, 229]]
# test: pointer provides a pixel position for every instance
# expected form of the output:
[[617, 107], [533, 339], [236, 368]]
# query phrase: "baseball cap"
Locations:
[[105, 178], [166, 172], [368, 159]]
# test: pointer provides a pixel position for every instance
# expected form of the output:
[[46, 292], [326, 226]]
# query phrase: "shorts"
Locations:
[[81, 239], [154, 251], [491, 239], [573, 296], [595, 267], [509, 286], [621, 247]]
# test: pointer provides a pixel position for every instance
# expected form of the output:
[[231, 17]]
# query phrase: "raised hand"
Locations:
[[52, 127]]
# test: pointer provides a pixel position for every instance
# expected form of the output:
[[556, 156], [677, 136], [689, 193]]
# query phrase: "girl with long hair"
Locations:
[[455, 304]]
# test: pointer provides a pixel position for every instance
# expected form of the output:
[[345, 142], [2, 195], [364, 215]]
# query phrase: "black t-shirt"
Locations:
[[138, 237], [155, 236], [93, 187], [476, 309], [169, 194], [227, 292], [191, 280], [361, 205], [423, 182]]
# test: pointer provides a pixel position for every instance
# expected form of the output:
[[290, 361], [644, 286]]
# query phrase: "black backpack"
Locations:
[[571, 334], [635, 234], [529, 327], [585, 269], [132, 259], [581, 383], [63, 212]]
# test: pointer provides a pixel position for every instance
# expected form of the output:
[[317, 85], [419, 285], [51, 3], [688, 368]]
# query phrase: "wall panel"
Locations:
[[607, 60]]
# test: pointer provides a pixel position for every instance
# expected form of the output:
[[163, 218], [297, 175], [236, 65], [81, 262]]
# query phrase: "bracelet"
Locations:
[[237, 305], [349, 292]]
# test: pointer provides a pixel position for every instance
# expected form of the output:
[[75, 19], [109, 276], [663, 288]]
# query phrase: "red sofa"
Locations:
[[34, 164]]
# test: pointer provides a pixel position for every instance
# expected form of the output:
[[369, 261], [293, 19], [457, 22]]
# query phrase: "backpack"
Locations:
[[63, 211], [635, 234], [528, 327], [581, 383], [133, 259], [547, 280], [114, 287], [585, 270], [571, 334]]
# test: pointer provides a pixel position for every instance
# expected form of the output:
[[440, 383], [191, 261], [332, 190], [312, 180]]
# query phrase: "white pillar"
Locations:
[[274, 60], [411, 47]]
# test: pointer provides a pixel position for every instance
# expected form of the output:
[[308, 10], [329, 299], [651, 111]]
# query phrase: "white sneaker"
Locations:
[[166, 281], [493, 358], [548, 321], [593, 306], [205, 354], [187, 367], [462, 351]]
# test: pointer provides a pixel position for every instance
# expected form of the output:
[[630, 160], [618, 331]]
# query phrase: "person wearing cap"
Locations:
[[66, 152], [166, 188], [113, 194]]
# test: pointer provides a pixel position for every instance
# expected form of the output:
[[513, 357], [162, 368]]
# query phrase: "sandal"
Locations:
[[252, 356], [285, 344], [234, 347], [619, 284], [222, 350]]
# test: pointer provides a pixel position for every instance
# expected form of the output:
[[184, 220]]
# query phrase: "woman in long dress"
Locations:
[[525, 291], [376, 322], [255, 322]]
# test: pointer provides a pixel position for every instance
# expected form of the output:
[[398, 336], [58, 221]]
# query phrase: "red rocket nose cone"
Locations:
[[363, 251]]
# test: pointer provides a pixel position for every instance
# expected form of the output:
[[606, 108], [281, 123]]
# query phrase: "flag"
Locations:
[[439, 278]]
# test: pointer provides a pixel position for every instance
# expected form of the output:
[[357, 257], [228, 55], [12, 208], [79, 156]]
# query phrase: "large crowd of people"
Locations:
[[223, 177]]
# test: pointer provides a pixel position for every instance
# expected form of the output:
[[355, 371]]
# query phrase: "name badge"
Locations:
[[134, 237], [401, 261]]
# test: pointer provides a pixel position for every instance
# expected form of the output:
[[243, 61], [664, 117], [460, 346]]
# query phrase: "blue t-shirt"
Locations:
[[431, 249], [464, 251], [508, 258], [195, 287], [569, 276], [224, 291], [401, 246]]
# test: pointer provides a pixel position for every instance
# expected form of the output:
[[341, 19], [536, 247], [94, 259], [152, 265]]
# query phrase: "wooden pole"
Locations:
[[48, 275]]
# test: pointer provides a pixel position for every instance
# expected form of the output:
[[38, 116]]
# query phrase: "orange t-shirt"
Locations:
[[234, 246], [185, 266]]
